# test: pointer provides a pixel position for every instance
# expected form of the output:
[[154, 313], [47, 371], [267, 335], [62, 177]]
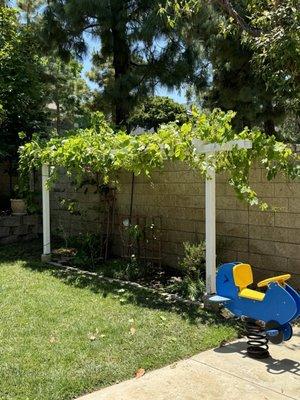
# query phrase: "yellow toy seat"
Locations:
[[243, 277]]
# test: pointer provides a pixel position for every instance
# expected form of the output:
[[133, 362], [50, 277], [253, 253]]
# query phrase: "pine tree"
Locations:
[[235, 83], [29, 8], [137, 46], [236, 86], [253, 49]]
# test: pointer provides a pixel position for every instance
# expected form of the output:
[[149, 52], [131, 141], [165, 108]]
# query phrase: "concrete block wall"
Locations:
[[270, 241], [89, 209], [14, 228]]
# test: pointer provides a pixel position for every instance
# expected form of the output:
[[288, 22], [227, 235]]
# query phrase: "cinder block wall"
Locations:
[[16, 228], [88, 206], [270, 241]]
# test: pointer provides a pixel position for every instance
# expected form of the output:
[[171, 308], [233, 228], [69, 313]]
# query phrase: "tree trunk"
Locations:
[[121, 63], [58, 121], [269, 125]]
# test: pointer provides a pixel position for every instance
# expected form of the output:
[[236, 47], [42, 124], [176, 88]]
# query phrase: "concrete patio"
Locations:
[[225, 373]]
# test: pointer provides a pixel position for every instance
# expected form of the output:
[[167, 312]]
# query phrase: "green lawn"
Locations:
[[62, 335]]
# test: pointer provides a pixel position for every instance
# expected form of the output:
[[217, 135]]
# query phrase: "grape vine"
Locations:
[[101, 150]]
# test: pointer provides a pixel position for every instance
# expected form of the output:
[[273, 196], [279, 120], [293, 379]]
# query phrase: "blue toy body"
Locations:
[[296, 297], [280, 305]]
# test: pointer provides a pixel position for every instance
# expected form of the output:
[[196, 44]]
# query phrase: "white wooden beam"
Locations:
[[46, 214], [202, 147]]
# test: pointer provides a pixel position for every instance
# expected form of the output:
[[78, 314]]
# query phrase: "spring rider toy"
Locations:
[[268, 315]]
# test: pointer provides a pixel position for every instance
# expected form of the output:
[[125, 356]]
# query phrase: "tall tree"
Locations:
[[135, 39], [66, 90], [29, 8], [268, 29], [235, 83], [276, 54], [22, 93]]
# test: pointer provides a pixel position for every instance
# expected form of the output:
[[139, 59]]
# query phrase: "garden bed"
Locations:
[[187, 283]]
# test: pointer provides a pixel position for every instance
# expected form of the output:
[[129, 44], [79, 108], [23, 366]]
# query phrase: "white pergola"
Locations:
[[210, 206]]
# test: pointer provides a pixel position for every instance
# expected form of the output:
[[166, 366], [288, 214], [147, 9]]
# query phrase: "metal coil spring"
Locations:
[[257, 340]]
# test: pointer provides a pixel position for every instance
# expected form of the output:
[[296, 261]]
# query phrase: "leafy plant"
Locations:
[[88, 250], [30, 197], [71, 206], [192, 284], [188, 288], [22, 92], [101, 150], [155, 111], [193, 262], [18, 192], [134, 232]]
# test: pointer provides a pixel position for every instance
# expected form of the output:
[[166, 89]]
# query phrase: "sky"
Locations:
[[160, 91]]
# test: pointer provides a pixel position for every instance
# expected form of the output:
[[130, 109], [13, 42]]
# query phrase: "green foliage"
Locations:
[[129, 62], [290, 128], [156, 111], [30, 81], [22, 191], [192, 265], [88, 250], [234, 83], [237, 87], [188, 288], [21, 90], [276, 49], [101, 150], [252, 47], [67, 90], [129, 270], [193, 262]]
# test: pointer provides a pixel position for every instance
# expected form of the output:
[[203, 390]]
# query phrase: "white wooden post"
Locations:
[[46, 214], [210, 204], [210, 229]]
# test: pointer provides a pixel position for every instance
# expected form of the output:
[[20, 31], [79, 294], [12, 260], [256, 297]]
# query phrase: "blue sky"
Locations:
[[160, 91]]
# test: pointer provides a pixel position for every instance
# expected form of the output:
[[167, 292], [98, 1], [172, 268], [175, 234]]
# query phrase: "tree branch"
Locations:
[[135, 64], [231, 11], [91, 26]]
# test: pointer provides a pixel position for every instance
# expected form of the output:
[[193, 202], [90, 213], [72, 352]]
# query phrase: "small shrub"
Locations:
[[188, 288], [193, 262], [129, 270], [192, 283], [88, 250]]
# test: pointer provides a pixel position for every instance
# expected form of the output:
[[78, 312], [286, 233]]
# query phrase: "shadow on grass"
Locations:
[[29, 254]]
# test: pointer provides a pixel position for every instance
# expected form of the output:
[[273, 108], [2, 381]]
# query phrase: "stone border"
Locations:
[[169, 297]]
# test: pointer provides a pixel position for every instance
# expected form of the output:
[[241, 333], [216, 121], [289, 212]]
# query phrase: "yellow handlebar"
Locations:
[[279, 279]]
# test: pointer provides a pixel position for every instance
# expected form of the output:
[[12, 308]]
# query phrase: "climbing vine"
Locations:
[[100, 150]]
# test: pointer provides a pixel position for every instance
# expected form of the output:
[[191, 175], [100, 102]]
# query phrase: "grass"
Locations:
[[63, 335]]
